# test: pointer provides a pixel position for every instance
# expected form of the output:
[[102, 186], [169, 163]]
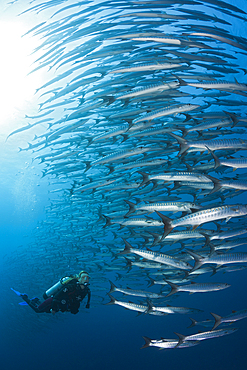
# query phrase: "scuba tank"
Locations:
[[56, 287]]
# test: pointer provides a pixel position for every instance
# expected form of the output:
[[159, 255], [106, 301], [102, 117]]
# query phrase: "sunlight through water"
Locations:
[[17, 87]]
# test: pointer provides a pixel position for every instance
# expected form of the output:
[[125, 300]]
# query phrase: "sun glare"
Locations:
[[16, 87]]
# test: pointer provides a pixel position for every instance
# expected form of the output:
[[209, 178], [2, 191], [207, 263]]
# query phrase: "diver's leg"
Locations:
[[46, 305], [31, 302]]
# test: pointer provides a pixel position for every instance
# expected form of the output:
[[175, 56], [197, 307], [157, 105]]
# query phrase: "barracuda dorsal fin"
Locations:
[[217, 320], [198, 259]]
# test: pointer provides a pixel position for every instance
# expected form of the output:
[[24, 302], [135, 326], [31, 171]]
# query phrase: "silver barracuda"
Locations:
[[146, 222], [94, 185], [153, 89], [166, 206], [205, 323], [224, 235], [196, 287], [168, 343], [218, 259], [201, 217], [112, 133], [176, 109], [143, 163], [172, 310], [205, 125], [121, 154], [206, 335], [157, 257], [161, 39], [175, 176], [234, 316], [132, 306], [137, 293], [234, 163], [211, 144], [219, 38], [232, 184], [218, 85], [147, 67]]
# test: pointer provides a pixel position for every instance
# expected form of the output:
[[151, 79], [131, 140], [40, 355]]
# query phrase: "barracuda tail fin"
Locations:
[[207, 237], [145, 177], [198, 260], [150, 306], [147, 342], [88, 165], [174, 288], [112, 301], [217, 320], [127, 248], [216, 182], [184, 131], [193, 323], [167, 225], [183, 143], [113, 287], [108, 221], [132, 207], [128, 264], [216, 159], [157, 238], [233, 117], [152, 281], [181, 339]]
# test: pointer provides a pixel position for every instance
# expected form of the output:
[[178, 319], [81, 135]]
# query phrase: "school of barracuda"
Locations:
[[141, 93]]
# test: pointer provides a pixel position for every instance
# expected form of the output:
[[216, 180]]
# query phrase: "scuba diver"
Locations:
[[65, 295]]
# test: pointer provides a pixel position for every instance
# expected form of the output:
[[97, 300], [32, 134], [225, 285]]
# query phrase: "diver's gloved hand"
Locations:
[[52, 311]]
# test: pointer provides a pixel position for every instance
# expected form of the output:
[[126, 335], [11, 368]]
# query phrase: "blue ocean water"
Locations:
[[50, 228]]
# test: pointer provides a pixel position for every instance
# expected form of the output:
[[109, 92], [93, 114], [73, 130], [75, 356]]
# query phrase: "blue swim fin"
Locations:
[[23, 304], [16, 292]]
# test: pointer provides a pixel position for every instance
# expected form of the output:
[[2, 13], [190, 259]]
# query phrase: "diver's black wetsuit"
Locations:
[[68, 298]]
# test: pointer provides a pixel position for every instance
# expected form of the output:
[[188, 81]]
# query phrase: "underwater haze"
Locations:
[[123, 145]]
